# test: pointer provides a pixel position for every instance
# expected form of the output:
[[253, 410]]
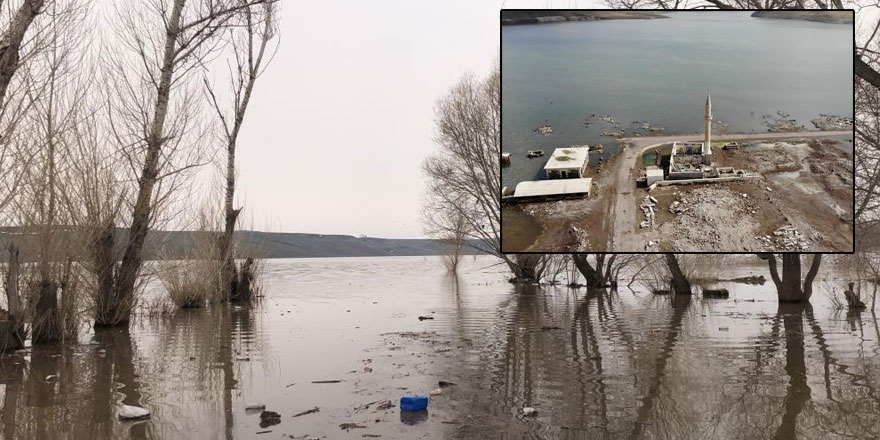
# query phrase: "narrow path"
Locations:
[[623, 237]]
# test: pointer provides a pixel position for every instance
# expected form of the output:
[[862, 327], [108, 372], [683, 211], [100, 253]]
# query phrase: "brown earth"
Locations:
[[810, 190]]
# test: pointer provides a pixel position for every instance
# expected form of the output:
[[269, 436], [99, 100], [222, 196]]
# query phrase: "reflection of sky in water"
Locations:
[[629, 364]]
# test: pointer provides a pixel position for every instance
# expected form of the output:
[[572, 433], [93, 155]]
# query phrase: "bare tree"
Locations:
[[250, 40], [154, 116], [789, 287], [463, 176], [867, 165]]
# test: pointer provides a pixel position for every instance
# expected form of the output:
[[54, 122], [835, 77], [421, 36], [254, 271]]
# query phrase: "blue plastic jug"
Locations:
[[413, 403]]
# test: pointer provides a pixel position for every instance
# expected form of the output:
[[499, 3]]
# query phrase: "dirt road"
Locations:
[[624, 218]]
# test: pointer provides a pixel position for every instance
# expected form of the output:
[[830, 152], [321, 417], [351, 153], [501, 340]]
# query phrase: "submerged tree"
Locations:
[[250, 39], [680, 283], [789, 286], [155, 115], [604, 271]]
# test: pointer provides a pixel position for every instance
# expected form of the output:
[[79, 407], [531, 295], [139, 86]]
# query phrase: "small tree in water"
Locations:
[[789, 286]]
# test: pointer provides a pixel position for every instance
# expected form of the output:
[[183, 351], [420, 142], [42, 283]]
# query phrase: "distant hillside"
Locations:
[[837, 17], [180, 244], [551, 16]]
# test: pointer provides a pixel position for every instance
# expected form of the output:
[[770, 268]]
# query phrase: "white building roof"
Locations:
[[656, 172], [553, 187], [569, 158]]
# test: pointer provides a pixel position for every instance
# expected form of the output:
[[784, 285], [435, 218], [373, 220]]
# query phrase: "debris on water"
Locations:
[[716, 293], [327, 381], [444, 383], [128, 412], [413, 403], [368, 370], [370, 435], [385, 405], [243, 359], [436, 392], [723, 329], [269, 418], [290, 385], [530, 412], [51, 377], [422, 318], [254, 406], [544, 130], [263, 432], [308, 411], [347, 426]]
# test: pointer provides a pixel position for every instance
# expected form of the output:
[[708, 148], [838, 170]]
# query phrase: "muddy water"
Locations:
[[594, 364]]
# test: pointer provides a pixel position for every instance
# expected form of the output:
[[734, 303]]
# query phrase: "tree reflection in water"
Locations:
[[73, 391], [598, 365]]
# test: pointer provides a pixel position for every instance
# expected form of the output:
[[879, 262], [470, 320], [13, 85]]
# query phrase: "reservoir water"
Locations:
[[594, 364], [659, 71]]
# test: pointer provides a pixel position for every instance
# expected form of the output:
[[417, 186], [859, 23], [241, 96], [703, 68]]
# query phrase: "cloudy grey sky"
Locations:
[[343, 118]]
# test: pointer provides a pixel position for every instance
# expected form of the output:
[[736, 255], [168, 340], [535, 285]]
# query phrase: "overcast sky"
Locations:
[[342, 119]]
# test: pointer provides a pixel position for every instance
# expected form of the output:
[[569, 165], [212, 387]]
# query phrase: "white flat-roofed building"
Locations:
[[653, 174], [556, 187], [568, 163]]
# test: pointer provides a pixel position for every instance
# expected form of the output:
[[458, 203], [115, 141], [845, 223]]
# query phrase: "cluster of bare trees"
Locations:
[[101, 134]]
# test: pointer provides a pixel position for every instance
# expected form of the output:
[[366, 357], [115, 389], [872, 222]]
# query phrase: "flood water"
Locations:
[[659, 71], [594, 364]]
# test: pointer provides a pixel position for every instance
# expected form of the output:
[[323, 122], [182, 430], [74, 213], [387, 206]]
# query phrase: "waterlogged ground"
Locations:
[[594, 364]]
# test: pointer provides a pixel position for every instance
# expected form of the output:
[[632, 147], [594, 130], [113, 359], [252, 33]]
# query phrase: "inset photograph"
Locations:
[[672, 131]]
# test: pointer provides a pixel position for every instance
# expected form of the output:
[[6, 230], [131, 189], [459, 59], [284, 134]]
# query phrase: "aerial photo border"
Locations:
[[612, 251]]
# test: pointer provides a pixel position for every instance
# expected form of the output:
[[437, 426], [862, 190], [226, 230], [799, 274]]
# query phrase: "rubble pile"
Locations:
[[833, 122], [711, 218], [789, 238], [544, 130], [647, 208]]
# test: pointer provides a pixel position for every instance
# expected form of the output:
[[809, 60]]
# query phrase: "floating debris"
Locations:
[[544, 130], [128, 412], [535, 153], [309, 411]]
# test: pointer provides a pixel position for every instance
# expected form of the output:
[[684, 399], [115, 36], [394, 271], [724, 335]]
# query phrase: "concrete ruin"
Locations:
[[689, 160]]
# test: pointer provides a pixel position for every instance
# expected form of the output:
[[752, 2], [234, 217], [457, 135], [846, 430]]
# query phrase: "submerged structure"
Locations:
[[568, 163]]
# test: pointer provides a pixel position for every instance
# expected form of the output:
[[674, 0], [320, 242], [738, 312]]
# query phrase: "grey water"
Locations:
[[594, 363], [659, 71]]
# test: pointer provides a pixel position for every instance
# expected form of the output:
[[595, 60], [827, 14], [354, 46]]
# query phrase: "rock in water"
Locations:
[[254, 405], [128, 412]]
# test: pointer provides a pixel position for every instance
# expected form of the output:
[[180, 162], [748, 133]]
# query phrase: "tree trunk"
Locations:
[[45, 325], [104, 260], [680, 283], [593, 277], [789, 287], [132, 259], [11, 328], [11, 42], [245, 282]]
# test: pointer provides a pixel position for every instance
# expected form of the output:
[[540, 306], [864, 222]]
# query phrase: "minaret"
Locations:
[[707, 149]]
